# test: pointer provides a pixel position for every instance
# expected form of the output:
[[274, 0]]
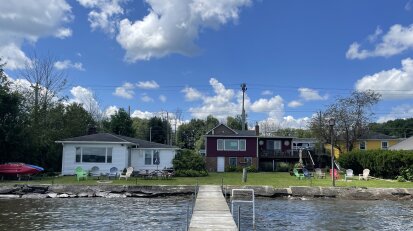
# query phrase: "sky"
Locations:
[[157, 56]]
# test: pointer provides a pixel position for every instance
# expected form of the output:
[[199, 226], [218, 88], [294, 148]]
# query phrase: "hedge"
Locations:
[[382, 163]]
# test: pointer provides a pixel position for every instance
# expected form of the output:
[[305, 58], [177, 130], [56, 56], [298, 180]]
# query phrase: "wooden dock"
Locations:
[[211, 211]]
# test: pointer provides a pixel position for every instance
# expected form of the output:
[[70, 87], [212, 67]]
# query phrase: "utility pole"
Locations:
[[150, 134], [244, 89]]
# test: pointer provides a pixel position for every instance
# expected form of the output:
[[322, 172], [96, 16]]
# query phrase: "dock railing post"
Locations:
[[239, 217]]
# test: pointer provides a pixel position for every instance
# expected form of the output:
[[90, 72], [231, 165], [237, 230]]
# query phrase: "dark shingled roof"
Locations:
[[108, 137], [377, 136]]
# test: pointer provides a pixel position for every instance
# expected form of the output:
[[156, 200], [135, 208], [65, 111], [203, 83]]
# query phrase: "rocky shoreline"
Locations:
[[121, 191]]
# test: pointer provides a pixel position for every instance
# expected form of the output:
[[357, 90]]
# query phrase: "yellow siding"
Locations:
[[374, 144]]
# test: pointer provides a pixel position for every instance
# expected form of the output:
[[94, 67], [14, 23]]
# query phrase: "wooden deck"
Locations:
[[211, 211]]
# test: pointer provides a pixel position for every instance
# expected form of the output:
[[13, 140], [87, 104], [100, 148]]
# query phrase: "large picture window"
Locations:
[[93, 155], [231, 145]]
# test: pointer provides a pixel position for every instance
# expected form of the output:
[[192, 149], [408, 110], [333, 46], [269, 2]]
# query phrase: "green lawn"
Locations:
[[279, 180]]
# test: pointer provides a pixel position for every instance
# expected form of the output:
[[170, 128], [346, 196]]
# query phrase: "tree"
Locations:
[[352, 115], [190, 135], [141, 127], [158, 130], [236, 123], [401, 128], [120, 123]]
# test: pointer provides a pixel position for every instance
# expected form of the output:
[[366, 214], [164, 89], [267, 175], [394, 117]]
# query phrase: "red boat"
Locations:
[[19, 169]]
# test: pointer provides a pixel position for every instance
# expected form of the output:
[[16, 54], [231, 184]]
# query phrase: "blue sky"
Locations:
[[157, 56]]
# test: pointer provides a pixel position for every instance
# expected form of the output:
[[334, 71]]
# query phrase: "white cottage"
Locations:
[[106, 150]]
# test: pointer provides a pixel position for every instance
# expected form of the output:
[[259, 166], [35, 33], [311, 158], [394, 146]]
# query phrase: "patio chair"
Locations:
[[349, 174], [336, 174], [113, 172], [319, 173], [365, 175], [94, 172], [297, 174], [306, 173], [80, 173], [127, 174]]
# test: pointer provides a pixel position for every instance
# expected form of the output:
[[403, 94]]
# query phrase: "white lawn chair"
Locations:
[[349, 174], [127, 174], [365, 175], [319, 174]]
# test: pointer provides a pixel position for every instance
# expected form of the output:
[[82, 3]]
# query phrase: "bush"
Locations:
[[282, 167], [239, 169], [189, 163], [382, 163]]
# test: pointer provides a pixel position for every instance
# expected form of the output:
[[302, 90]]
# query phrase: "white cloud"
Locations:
[[148, 84], [395, 41], [409, 5], [308, 94], [173, 26], [192, 94], [399, 112], [27, 21], [104, 14], [85, 97], [111, 110], [63, 33], [266, 105], [142, 114], [145, 98], [391, 84], [66, 64], [295, 103], [162, 98], [125, 91], [267, 92]]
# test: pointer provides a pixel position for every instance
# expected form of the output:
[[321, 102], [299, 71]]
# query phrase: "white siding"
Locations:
[[165, 155], [119, 158]]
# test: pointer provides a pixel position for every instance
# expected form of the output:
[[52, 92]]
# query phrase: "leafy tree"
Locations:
[[294, 132], [141, 127], [236, 123], [120, 123], [399, 128], [159, 130], [190, 135], [352, 116], [189, 163]]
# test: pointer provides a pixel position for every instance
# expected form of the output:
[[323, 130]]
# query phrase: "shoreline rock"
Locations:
[[123, 191]]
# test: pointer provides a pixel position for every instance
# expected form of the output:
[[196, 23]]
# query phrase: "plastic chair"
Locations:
[[319, 173], [365, 175], [80, 173], [336, 174], [94, 172], [127, 174], [298, 175], [113, 172], [349, 174]]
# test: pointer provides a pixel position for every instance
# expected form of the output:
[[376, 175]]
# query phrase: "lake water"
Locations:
[[170, 213]]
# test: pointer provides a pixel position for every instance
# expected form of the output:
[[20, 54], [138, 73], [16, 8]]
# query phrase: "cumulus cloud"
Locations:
[[125, 91], [395, 41], [173, 26], [104, 13], [391, 84], [27, 21], [63, 33], [142, 114], [111, 110], [191, 94], [147, 84], [85, 97], [145, 98], [162, 98], [308, 94], [66, 64], [295, 103], [399, 112]]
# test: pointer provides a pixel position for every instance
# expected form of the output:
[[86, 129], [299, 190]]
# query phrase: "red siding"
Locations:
[[251, 147]]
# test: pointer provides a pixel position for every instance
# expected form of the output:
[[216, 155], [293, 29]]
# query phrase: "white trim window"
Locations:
[[248, 161], [273, 144], [384, 145], [231, 145], [93, 155], [152, 157], [233, 161], [362, 145]]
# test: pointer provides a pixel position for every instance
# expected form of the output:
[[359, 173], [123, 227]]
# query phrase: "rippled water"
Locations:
[[94, 214], [332, 214], [170, 214]]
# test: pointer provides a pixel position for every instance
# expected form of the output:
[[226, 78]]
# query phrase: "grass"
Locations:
[[278, 180]]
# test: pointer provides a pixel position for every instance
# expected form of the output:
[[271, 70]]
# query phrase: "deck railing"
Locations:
[[282, 154]]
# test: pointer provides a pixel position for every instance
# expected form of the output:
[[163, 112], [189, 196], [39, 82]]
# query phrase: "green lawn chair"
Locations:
[[80, 173], [297, 174]]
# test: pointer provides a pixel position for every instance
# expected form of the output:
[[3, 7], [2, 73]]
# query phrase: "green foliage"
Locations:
[[240, 169], [141, 127], [406, 174], [160, 130], [188, 161], [191, 173], [190, 135], [121, 123], [382, 163], [236, 123], [396, 128]]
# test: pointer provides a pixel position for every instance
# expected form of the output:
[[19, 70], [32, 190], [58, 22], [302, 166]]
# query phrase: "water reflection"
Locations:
[[94, 214], [279, 214]]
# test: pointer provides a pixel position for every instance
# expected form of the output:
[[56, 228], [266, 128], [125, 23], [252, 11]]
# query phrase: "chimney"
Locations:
[[257, 129]]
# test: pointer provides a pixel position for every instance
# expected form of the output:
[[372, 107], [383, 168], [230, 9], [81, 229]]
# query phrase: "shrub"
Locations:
[[382, 163], [189, 163]]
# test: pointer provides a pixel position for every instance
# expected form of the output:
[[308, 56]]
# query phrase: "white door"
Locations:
[[220, 164]]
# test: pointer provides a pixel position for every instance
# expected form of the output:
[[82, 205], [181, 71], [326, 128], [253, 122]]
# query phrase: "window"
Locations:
[[93, 155], [248, 161], [148, 157], [220, 145], [273, 145], [384, 145], [156, 160], [233, 161], [231, 145], [362, 145], [242, 145]]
